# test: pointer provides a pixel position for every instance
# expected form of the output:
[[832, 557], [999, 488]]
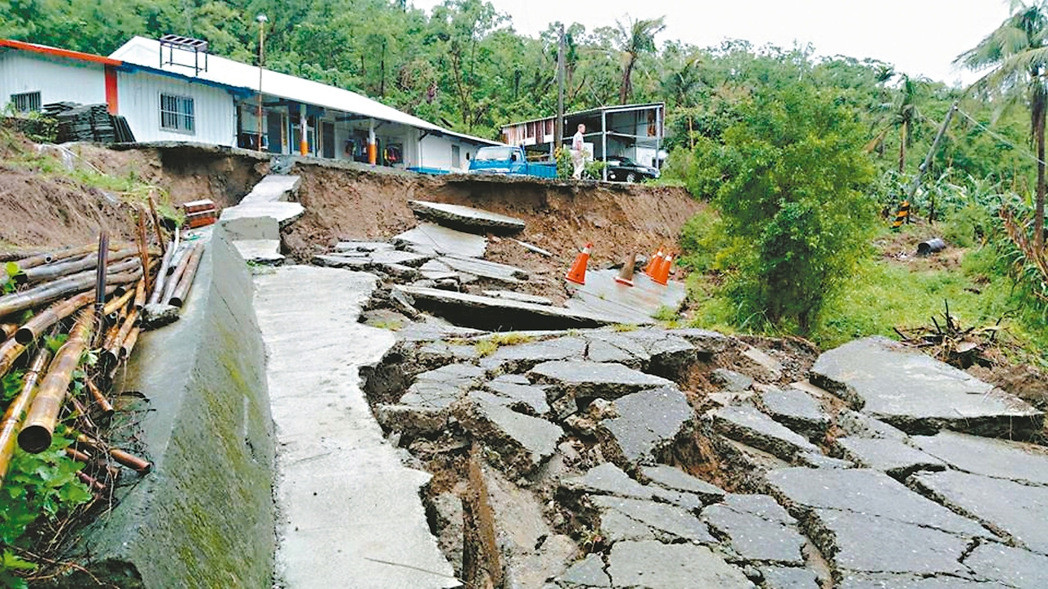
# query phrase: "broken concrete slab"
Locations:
[[521, 442], [425, 407], [485, 269], [667, 523], [593, 380], [494, 314], [750, 426], [273, 188], [517, 296], [360, 263], [434, 270], [867, 492], [705, 341], [648, 422], [513, 533], [444, 241], [653, 565], [586, 573], [523, 357], [910, 581], [731, 381], [607, 479], [919, 394], [1017, 511], [630, 304], [518, 393], [887, 455], [285, 213], [362, 246], [868, 543], [466, 218], [675, 479], [859, 425], [763, 366], [1016, 461], [447, 514], [780, 577], [1013, 567], [260, 251], [757, 528], [796, 410], [251, 228]]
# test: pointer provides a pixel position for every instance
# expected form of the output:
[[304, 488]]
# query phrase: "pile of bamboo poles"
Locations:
[[95, 295]]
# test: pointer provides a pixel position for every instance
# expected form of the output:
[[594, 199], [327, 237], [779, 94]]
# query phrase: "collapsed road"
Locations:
[[402, 410]]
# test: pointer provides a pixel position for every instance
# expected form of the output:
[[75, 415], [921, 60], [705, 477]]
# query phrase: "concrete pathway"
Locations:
[[349, 512]]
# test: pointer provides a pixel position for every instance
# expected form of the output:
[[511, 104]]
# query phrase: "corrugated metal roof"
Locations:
[[220, 70], [611, 108], [44, 49]]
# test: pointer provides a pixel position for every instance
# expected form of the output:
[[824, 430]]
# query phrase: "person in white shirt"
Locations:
[[578, 152]]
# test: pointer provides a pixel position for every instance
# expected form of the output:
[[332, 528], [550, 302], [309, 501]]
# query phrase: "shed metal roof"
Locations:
[[220, 70]]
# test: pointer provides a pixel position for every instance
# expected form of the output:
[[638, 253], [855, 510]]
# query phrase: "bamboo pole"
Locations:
[[129, 343], [52, 257], [143, 241], [90, 481], [99, 398], [35, 436], [35, 327], [161, 275], [13, 416], [8, 329], [172, 281], [182, 290], [117, 303], [123, 457], [10, 350], [122, 273], [156, 225], [54, 271], [140, 293]]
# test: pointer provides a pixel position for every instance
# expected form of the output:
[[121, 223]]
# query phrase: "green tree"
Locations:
[[788, 180], [902, 114], [635, 37], [1018, 53]]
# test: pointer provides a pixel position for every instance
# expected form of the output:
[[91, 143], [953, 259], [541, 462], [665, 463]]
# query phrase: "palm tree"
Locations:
[[635, 37], [902, 113], [1018, 53]]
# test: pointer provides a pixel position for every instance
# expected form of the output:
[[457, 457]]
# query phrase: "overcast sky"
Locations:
[[921, 37]]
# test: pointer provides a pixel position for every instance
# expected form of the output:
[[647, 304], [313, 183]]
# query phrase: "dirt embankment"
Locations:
[[559, 217], [54, 198]]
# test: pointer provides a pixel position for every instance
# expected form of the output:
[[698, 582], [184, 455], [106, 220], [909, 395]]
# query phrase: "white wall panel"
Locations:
[[56, 79], [214, 110]]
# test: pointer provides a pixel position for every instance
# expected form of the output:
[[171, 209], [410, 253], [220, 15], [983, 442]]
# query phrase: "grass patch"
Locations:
[[624, 327], [884, 293], [490, 345]]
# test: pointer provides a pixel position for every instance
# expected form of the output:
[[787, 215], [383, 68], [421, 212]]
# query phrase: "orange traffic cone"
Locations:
[[653, 263], [662, 272], [577, 273], [626, 275]]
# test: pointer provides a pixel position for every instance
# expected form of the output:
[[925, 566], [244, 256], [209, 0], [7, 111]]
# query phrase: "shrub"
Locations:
[[788, 180]]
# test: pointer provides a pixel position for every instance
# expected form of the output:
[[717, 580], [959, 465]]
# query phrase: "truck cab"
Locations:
[[509, 160]]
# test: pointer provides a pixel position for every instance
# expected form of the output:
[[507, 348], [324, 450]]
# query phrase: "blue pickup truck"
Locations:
[[509, 160]]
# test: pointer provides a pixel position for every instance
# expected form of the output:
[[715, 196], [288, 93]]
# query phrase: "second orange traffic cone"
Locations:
[[661, 274], [653, 263], [577, 273], [626, 275]]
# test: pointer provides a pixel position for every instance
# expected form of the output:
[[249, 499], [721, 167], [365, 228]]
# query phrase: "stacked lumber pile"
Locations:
[[90, 122]]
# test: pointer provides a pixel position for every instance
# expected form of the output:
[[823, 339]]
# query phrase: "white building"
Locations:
[[173, 90], [636, 131]]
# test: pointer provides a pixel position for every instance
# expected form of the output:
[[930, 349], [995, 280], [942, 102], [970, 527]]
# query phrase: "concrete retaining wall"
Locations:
[[204, 516]]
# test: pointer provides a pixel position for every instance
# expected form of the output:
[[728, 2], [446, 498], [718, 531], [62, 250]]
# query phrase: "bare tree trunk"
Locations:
[[1038, 214], [902, 148], [626, 90]]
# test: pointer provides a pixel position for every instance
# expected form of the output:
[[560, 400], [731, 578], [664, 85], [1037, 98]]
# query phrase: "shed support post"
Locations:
[[303, 140]]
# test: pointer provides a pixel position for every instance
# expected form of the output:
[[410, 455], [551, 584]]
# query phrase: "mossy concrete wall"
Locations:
[[204, 516]]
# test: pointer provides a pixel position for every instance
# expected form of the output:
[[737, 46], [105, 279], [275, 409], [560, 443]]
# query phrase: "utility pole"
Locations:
[[261, 57], [558, 129], [931, 152]]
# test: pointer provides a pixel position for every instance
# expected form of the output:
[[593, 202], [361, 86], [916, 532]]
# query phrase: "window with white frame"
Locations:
[[26, 101], [176, 113]]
